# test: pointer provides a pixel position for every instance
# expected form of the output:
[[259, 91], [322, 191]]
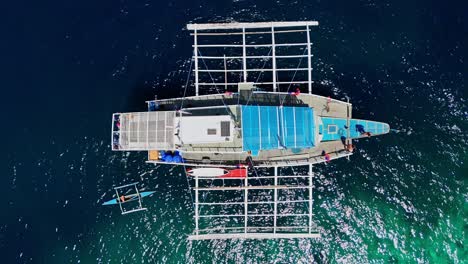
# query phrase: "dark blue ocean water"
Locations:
[[66, 66]]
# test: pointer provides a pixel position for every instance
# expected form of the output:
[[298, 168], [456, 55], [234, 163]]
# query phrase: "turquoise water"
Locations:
[[67, 66]]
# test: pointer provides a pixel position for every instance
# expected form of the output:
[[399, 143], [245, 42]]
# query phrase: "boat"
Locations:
[[217, 173], [252, 104], [134, 197], [128, 198]]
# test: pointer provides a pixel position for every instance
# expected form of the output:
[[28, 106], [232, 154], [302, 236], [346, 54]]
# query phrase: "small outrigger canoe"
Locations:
[[128, 198], [217, 173]]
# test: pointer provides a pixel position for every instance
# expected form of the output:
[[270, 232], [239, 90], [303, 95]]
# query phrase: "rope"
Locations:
[[186, 84], [212, 79], [260, 74], [181, 105], [294, 76]]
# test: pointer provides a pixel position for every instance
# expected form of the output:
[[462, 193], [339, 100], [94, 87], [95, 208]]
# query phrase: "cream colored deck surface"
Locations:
[[233, 151], [319, 103], [277, 156]]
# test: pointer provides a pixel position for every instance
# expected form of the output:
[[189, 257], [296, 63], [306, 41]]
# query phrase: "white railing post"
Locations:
[[244, 55], [196, 204], [195, 53], [273, 53], [311, 177], [294, 117], [225, 74], [309, 62], [275, 205], [165, 130], [147, 128], [246, 209]]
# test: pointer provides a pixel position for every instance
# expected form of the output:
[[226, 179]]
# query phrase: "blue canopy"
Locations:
[[273, 127]]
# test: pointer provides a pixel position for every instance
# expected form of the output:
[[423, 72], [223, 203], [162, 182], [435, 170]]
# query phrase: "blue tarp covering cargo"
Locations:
[[273, 127]]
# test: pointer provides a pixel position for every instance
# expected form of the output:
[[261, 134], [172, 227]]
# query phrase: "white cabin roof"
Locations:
[[204, 129]]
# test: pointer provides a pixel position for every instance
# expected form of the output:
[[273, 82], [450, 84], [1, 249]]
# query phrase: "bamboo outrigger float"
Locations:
[[254, 117]]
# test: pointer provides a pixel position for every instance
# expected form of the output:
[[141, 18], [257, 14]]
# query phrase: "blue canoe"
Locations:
[[129, 198]]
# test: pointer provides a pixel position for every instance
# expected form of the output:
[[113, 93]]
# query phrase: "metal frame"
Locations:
[[243, 29], [244, 229], [140, 207], [213, 26], [134, 138]]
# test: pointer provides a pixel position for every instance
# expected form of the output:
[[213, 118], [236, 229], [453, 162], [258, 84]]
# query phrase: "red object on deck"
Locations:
[[236, 173], [296, 93]]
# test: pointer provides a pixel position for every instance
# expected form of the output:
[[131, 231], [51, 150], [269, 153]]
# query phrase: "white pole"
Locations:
[[246, 210], [273, 53], [147, 129], [278, 126], [156, 131], [138, 130], [295, 137], [195, 52], [283, 124], [276, 200], [225, 74], [244, 54], [139, 196], [118, 199], [259, 126], [309, 63], [196, 204], [311, 176], [165, 130]]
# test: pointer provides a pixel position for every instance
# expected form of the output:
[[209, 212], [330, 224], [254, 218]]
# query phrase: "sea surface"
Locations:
[[66, 66]]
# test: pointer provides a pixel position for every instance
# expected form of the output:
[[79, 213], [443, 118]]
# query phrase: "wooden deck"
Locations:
[[232, 152]]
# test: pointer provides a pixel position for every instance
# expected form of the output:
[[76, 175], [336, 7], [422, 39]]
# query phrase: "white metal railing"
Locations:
[[248, 33], [241, 46], [143, 131], [246, 210], [250, 25], [248, 235]]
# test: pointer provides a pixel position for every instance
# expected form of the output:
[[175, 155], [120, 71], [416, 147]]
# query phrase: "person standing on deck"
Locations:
[[360, 129]]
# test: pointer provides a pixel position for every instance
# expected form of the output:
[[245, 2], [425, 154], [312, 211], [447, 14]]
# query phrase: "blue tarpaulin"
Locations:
[[273, 127]]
